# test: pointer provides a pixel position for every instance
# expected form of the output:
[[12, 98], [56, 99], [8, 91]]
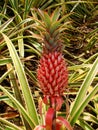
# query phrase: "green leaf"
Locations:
[[31, 75], [83, 105], [12, 126], [54, 26], [87, 116], [21, 109], [3, 26], [46, 18], [46, 3], [84, 124], [5, 61], [64, 17], [14, 4], [81, 96], [30, 105], [5, 74], [28, 4], [55, 15], [21, 46], [4, 98]]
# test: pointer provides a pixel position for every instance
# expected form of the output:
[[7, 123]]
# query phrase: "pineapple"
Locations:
[[52, 73]]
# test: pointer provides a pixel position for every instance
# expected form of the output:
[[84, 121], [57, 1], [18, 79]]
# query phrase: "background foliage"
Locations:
[[20, 52]]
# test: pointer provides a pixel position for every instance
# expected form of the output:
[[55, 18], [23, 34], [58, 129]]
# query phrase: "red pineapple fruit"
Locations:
[[52, 72]]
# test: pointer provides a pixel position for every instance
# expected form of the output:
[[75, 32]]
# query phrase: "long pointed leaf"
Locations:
[[82, 92], [9, 124], [55, 15], [30, 105], [3, 26], [20, 107], [84, 124], [5, 61], [83, 105]]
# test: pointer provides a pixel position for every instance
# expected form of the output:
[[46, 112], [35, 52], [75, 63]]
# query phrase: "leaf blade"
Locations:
[[30, 105]]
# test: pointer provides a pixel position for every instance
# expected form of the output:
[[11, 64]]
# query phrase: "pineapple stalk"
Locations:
[[52, 73]]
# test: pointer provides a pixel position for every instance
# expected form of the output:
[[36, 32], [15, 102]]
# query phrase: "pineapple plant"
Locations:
[[52, 73]]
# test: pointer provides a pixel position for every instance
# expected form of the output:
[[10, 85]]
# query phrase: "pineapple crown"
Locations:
[[50, 30]]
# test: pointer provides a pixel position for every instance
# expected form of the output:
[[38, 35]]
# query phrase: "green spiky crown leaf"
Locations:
[[50, 29]]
